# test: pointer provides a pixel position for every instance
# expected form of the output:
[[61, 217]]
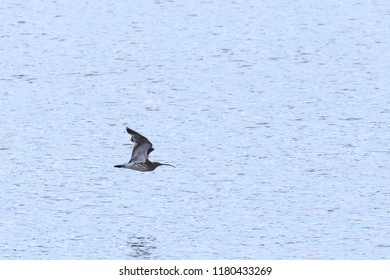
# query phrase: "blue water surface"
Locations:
[[275, 114]]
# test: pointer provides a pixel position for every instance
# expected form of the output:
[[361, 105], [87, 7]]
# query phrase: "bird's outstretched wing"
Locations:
[[142, 146]]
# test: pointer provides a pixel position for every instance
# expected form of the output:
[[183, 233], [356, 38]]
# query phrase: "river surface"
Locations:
[[275, 113]]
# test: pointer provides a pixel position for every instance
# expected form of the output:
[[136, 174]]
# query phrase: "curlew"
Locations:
[[139, 157]]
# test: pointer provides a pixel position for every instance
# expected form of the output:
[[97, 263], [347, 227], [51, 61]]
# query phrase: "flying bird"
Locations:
[[139, 157]]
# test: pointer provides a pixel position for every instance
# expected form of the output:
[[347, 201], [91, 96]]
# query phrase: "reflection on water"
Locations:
[[141, 247]]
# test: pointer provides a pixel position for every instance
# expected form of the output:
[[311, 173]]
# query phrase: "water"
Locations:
[[275, 114]]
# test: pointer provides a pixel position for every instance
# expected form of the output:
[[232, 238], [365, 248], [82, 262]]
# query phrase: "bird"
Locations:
[[139, 157]]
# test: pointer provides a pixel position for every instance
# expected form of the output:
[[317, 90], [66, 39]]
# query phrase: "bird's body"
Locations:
[[139, 158], [139, 166]]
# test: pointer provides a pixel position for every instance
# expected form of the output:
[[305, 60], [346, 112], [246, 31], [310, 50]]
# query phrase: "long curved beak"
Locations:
[[168, 165]]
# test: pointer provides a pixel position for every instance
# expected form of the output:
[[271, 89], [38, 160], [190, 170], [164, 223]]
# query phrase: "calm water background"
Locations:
[[275, 113]]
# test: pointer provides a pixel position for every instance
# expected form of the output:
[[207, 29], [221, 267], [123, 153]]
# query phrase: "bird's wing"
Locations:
[[142, 146]]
